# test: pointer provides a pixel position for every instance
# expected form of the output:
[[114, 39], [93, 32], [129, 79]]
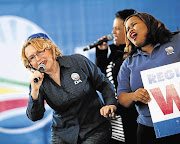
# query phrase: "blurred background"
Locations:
[[72, 25]]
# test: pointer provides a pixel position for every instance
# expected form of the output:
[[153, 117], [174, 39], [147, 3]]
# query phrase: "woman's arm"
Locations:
[[100, 82], [125, 95], [141, 94], [35, 108]]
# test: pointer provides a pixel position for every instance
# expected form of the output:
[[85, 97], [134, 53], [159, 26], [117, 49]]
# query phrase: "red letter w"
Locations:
[[171, 94]]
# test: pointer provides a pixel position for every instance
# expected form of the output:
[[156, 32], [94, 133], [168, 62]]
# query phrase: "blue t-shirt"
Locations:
[[129, 78]]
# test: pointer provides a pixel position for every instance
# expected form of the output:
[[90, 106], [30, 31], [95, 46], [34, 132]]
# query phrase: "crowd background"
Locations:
[[72, 24]]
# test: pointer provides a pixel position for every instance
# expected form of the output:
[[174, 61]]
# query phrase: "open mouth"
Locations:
[[133, 35], [115, 37], [43, 62]]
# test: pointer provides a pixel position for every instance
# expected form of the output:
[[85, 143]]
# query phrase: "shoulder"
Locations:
[[76, 56], [128, 59], [176, 38], [129, 62], [73, 57], [174, 42], [76, 59]]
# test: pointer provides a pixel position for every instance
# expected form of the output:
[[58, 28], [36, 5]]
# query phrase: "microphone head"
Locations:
[[86, 48], [41, 68], [110, 37]]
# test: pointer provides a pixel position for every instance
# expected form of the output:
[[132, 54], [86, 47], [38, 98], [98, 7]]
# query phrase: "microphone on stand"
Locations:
[[41, 69], [109, 38]]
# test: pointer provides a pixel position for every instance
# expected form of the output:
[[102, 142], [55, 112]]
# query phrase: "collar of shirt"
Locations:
[[140, 52], [63, 62]]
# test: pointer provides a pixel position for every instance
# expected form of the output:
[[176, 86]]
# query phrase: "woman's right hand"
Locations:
[[35, 86], [141, 95], [104, 45]]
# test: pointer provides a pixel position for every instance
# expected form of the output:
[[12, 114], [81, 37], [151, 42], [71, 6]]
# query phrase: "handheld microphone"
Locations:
[[109, 38], [41, 69]]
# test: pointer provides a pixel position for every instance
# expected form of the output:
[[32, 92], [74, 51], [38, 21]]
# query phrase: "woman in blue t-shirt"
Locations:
[[147, 40]]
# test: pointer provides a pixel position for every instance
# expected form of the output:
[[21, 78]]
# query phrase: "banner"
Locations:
[[15, 127], [163, 85]]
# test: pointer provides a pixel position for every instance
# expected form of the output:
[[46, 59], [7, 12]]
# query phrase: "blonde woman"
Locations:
[[68, 85]]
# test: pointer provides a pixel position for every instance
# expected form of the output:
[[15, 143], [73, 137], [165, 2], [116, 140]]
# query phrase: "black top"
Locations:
[[115, 59], [113, 64], [75, 103]]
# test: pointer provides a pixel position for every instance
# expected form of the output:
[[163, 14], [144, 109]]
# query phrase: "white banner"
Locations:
[[163, 85]]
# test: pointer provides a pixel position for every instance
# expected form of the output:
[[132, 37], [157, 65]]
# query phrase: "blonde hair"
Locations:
[[39, 44]]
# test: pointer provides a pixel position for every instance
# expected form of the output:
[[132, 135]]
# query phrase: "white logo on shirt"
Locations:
[[169, 50], [76, 78]]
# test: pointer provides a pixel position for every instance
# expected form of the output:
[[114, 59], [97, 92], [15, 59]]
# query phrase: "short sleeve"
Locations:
[[123, 78]]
